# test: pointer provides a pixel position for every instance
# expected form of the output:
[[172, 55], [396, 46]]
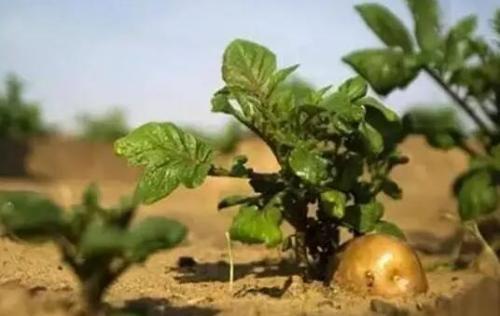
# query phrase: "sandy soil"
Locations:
[[33, 282]]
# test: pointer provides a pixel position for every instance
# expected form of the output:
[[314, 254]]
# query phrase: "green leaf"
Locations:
[[427, 26], [373, 141], [363, 217], [389, 228], [440, 127], [233, 200], [458, 47], [170, 157], [496, 21], [384, 120], [384, 69], [102, 241], [29, 214], [386, 25], [392, 189], [355, 88], [220, 102], [494, 157], [248, 66], [372, 103], [91, 197], [333, 203], [308, 165], [151, 235], [239, 169], [477, 195], [346, 114], [351, 168], [464, 27], [280, 76], [252, 225]]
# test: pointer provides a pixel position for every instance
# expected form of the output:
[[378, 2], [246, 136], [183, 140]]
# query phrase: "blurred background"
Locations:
[[76, 75], [123, 62]]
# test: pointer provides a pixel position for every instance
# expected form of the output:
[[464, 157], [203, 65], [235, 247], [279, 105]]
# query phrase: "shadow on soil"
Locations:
[[219, 271], [161, 307]]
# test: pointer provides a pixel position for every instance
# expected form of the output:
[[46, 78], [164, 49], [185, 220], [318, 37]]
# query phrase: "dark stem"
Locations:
[[95, 284], [467, 149], [301, 255], [93, 289], [221, 172], [459, 101]]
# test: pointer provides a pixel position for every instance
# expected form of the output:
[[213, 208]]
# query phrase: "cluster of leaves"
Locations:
[[105, 128], [335, 150], [19, 119], [97, 243], [466, 67]]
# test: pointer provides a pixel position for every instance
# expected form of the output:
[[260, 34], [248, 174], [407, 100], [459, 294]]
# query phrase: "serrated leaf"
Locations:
[[308, 165], [333, 203], [427, 26], [389, 228], [354, 88], [363, 217], [252, 225], [346, 113], [151, 235], [386, 25], [477, 195], [384, 69], [248, 66], [280, 76], [29, 214], [372, 139], [102, 241], [170, 157]]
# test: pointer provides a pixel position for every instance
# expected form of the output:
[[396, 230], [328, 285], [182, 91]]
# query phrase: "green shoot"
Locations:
[[97, 243]]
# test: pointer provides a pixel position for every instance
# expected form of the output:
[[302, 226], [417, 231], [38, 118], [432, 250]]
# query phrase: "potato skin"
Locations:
[[379, 264]]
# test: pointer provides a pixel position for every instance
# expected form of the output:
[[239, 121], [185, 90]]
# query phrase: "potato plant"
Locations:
[[467, 68], [335, 150], [97, 243]]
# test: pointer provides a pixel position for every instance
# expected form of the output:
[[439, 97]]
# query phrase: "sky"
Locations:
[[160, 59]]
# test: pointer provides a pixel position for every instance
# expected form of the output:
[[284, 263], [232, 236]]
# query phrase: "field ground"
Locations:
[[33, 282]]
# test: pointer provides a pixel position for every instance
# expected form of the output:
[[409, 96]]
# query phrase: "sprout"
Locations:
[[97, 243]]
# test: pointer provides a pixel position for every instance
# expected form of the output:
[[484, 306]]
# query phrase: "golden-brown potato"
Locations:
[[379, 264]]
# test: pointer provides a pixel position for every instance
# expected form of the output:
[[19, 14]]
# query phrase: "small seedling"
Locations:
[[467, 68], [97, 243], [335, 150]]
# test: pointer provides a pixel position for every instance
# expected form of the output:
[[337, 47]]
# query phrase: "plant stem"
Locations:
[[487, 261], [231, 262], [301, 255], [221, 172], [92, 291], [467, 149], [459, 101]]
